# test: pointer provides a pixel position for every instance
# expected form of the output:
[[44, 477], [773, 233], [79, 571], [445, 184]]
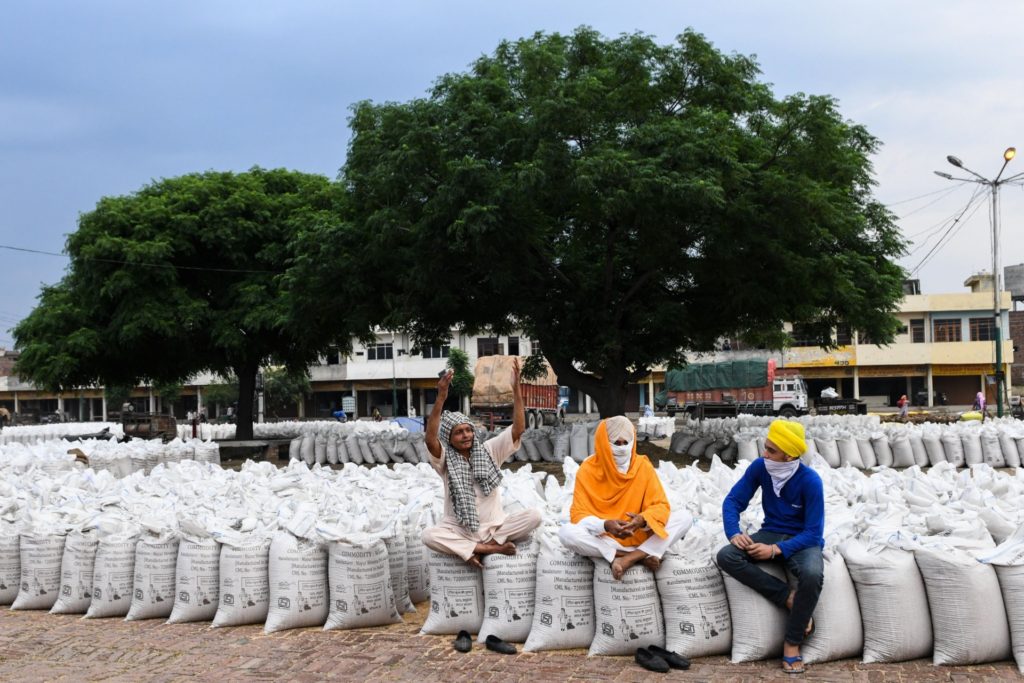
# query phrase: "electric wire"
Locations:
[[950, 232], [946, 224]]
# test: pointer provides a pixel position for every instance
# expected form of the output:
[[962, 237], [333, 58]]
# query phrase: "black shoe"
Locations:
[[651, 661], [463, 643], [498, 645], [671, 658]]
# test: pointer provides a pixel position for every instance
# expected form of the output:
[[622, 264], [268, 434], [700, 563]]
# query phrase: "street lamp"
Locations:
[[996, 284]]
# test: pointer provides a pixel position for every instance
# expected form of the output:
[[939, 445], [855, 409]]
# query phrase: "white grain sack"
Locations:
[[197, 581], [758, 626], [628, 611], [563, 616], [456, 596], [1008, 559], [697, 622], [113, 577], [359, 580], [968, 616], [41, 556], [893, 603], [417, 569], [76, 573], [510, 583], [399, 566], [153, 594], [10, 568], [244, 582], [838, 632], [298, 583]]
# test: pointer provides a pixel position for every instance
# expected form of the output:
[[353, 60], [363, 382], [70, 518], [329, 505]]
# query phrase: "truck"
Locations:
[[492, 394], [727, 389]]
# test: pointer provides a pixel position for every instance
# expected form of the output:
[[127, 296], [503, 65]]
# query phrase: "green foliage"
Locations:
[[188, 274], [168, 391], [620, 201], [282, 389], [462, 380], [534, 367], [116, 396], [221, 393]]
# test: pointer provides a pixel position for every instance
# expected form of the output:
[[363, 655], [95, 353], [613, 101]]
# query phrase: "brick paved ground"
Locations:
[[36, 646]]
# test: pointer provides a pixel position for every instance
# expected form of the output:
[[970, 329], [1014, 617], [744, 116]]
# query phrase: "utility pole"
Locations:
[[997, 288]]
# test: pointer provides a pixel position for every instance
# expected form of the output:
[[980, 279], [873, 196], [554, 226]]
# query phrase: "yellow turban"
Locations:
[[788, 436]]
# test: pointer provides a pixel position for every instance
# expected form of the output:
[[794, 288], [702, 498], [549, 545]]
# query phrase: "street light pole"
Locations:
[[997, 289]]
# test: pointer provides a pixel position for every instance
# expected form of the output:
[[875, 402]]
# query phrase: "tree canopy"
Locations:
[[186, 275], [621, 201]]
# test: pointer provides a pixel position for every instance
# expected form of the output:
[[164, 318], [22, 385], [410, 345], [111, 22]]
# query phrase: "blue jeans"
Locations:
[[806, 566]]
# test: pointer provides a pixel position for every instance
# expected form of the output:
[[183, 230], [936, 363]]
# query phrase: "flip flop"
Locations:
[[793, 661]]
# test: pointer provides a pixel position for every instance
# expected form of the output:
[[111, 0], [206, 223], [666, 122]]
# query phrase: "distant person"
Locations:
[[340, 415], [377, 417], [979, 404], [904, 405], [648, 411], [412, 411]]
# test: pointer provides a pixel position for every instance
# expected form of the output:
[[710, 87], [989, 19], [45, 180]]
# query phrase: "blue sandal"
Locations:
[[793, 661]]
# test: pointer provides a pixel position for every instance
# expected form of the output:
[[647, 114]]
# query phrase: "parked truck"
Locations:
[[492, 394], [754, 387]]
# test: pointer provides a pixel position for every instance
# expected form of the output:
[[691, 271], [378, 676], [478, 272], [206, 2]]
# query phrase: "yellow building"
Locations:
[[944, 353]]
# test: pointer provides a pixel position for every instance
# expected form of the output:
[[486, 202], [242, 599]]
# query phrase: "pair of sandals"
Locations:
[[795, 664]]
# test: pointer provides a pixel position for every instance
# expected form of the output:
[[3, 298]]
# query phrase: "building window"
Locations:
[[983, 329], [380, 351], [917, 331], [487, 346], [513, 346], [844, 337], [806, 335], [436, 351], [947, 330], [535, 347]]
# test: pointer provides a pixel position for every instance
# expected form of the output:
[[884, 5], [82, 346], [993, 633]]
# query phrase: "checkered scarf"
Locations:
[[462, 473]]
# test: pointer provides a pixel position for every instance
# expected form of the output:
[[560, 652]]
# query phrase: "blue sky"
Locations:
[[99, 98]]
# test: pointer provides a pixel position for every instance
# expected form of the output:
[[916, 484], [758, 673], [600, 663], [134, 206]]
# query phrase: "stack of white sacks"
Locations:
[[38, 433], [119, 458], [917, 564], [863, 442]]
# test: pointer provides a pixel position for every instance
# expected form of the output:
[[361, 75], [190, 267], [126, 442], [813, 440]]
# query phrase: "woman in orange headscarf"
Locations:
[[619, 509]]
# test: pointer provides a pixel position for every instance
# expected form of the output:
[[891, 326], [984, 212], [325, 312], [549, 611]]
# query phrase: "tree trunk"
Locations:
[[246, 389], [609, 391]]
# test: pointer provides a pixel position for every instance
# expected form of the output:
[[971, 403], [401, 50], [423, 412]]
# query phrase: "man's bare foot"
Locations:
[[623, 562], [474, 560], [506, 548], [651, 562]]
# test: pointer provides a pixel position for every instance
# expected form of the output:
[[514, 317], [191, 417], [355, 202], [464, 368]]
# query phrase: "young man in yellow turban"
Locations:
[[794, 520], [619, 509]]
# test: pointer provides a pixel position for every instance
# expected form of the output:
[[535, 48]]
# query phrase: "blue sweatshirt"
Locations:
[[799, 512]]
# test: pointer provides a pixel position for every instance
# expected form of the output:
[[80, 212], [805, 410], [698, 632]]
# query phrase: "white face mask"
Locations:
[[780, 472], [622, 455]]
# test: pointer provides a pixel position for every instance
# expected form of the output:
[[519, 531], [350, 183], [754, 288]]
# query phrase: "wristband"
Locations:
[[773, 553]]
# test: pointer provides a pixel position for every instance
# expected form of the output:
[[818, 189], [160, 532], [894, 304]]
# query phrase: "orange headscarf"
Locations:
[[603, 492]]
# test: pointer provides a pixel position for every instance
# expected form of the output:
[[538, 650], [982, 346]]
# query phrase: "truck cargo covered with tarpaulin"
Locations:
[[730, 375]]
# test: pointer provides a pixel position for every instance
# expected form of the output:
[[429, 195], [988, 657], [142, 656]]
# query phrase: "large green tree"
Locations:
[[188, 274], [622, 201]]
